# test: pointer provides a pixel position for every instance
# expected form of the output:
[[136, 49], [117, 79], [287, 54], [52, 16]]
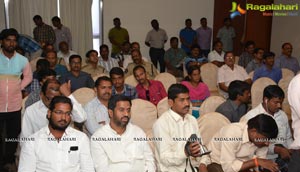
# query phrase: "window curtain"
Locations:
[[76, 14], [2, 15], [21, 13]]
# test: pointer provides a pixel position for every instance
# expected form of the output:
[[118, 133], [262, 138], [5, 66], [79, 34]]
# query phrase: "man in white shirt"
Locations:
[[175, 127], [96, 109], [273, 97], [217, 55], [104, 60], [57, 147], [116, 146], [243, 146], [294, 101], [35, 115]]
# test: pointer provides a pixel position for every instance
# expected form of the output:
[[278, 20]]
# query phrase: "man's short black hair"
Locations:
[[60, 99], [112, 103], [176, 89], [248, 43], [284, 44], [103, 46], [236, 88], [138, 67], [87, 55], [42, 74], [116, 71], [74, 56], [37, 17], [102, 78], [188, 20], [273, 91], [9, 32], [173, 39], [217, 42], [55, 19], [257, 49], [116, 19], [268, 54], [265, 125], [43, 64]]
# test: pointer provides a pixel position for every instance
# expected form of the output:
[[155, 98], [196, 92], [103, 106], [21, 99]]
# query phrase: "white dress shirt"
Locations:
[[43, 153], [294, 101], [112, 152], [227, 75], [284, 136], [97, 113], [174, 131], [215, 56], [231, 147], [35, 116]]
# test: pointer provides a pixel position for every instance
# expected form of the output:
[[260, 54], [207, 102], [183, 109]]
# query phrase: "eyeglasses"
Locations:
[[229, 57], [59, 112]]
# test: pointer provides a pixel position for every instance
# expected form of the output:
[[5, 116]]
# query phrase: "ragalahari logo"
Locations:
[[236, 10]]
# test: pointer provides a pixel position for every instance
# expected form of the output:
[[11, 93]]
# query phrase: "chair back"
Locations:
[[257, 90], [130, 80], [287, 73], [84, 95], [211, 104], [166, 79], [209, 74]]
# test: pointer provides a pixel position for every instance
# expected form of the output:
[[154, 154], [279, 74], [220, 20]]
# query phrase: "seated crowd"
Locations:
[[58, 133]]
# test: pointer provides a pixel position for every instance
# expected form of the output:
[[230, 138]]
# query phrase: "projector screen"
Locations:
[[136, 15]]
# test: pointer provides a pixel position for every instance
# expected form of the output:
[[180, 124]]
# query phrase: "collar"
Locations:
[[128, 127], [235, 106], [177, 117], [66, 133]]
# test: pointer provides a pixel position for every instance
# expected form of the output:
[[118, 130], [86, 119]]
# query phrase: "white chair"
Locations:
[[236, 59], [210, 124], [211, 104], [209, 74], [84, 95], [166, 79], [251, 74], [143, 114], [99, 75], [257, 90], [284, 84], [130, 80], [163, 106], [287, 73]]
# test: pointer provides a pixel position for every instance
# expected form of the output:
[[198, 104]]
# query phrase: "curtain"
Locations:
[[21, 13], [76, 14], [2, 15]]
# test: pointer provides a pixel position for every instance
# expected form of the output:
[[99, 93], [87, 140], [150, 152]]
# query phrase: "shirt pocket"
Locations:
[[73, 158]]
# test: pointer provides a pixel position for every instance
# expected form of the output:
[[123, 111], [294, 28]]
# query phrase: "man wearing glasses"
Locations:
[[57, 147], [35, 115]]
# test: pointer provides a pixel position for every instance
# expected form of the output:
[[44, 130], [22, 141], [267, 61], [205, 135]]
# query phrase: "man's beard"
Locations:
[[57, 127]]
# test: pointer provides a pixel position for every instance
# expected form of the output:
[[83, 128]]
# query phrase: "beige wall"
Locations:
[[136, 15], [286, 29]]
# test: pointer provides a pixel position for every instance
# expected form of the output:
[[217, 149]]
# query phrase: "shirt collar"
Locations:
[[177, 117], [235, 106], [66, 133]]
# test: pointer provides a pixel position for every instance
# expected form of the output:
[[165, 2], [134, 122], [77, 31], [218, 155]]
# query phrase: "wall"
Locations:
[[136, 15], [286, 29]]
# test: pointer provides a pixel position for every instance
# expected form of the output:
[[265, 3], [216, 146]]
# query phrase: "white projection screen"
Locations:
[[136, 15]]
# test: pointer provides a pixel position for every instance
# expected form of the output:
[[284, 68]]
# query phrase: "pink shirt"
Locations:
[[156, 91], [198, 93]]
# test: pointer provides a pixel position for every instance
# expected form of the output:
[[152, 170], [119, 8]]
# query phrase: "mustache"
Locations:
[[125, 117], [186, 107], [63, 121]]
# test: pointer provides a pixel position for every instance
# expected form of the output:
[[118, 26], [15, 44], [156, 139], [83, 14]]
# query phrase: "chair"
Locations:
[[210, 124], [84, 95], [236, 59], [257, 90], [251, 74], [149, 135], [99, 75], [143, 114], [166, 79], [287, 73], [130, 80], [284, 84], [211, 104], [209, 74], [23, 106]]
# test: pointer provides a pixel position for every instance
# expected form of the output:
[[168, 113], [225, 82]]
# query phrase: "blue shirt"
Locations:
[[189, 35], [275, 73], [60, 70], [83, 80], [192, 59], [287, 62], [128, 91]]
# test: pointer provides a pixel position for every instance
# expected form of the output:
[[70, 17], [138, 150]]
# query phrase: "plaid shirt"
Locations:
[[44, 33], [28, 44], [128, 91]]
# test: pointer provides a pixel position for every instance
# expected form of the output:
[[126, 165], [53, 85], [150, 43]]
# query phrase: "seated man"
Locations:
[[150, 90], [175, 127], [195, 58], [138, 60], [286, 60], [124, 54], [268, 69], [230, 72], [243, 146], [174, 58], [35, 115], [92, 66], [257, 61], [236, 105], [58, 68], [217, 55], [104, 60], [77, 77], [119, 87], [272, 100], [57, 146], [64, 52], [42, 76], [247, 55], [114, 146], [128, 59], [96, 109]]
